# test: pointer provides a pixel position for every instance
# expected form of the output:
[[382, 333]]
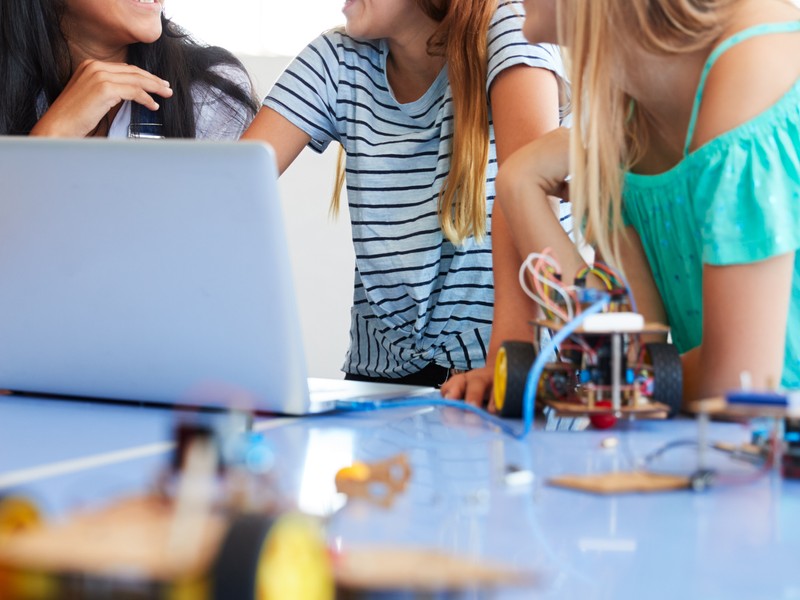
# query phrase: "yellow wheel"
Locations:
[[514, 360], [16, 514], [265, 559]]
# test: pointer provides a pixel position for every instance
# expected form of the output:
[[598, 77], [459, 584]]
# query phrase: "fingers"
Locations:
[[130, 86], [138, 95], [473, 386], [115, 82], [94, 89], [453, 388], [478, 386], [96, 67]]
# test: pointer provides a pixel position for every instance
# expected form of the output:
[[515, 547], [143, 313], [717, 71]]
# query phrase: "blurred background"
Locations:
[[257, 27]]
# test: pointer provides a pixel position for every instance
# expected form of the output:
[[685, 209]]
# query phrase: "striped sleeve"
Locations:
[[305, 93], [507, 46]]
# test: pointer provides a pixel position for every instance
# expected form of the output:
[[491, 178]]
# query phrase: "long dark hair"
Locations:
[[34, 60]]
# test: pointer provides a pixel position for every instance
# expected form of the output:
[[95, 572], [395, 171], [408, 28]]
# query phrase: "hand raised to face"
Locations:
[[96, 88]]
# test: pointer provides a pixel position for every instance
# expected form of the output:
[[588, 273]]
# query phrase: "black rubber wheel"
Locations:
[[667, 375], [513, 363], [234, 572], [261, 558]]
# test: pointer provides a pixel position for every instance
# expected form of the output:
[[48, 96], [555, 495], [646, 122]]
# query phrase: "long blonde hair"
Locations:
[[461, 37], [608, 135]]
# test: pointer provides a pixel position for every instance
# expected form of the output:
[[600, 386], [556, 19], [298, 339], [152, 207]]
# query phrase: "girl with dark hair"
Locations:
[[75, 68], [426, 98]]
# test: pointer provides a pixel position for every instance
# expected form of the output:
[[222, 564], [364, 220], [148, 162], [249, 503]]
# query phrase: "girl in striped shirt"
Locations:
[[425, 98]]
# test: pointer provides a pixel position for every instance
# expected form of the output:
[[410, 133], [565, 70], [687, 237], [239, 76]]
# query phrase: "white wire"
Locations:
[[527, 266]]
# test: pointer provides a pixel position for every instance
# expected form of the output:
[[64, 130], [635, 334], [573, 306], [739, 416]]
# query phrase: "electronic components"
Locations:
[[603, 368]]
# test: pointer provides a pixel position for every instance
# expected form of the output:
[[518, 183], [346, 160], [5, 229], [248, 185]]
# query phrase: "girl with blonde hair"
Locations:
[[684, 167], [426, 97]]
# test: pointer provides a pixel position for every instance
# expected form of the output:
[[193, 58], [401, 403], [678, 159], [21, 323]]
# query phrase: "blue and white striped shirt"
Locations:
[[418, 298]]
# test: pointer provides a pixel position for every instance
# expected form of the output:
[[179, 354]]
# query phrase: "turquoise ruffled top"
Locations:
[[734, 200]]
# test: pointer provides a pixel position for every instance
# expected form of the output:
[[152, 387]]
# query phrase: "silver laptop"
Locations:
[[153, 271]]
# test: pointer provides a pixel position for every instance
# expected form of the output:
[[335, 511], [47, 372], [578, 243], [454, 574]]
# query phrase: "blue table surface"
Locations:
[[740, 539]]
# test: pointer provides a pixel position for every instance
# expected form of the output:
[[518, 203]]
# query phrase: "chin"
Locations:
[[150, 36]]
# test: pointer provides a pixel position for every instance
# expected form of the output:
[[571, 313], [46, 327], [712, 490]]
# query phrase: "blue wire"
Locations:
[[532, 383], [630, 294], [502, 424], [529, 396]]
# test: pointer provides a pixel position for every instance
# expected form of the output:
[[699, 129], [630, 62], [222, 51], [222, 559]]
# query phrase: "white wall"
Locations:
[[320, 248]]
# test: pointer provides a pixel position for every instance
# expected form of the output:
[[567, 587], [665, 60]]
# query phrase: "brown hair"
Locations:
[[461, 38], [608, 133]]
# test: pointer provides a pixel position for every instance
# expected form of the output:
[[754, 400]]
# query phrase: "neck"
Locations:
[[409, 68], [80, 52]]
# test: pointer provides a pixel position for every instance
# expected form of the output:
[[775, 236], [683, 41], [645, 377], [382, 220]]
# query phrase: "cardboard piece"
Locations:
[[397, 568], [622, 482], [649, 410]]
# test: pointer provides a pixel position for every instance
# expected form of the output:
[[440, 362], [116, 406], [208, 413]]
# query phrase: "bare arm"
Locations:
[[524, 107], [537, 171], [524, 185], [745, 314], [745, 306], [286, 139], [640, 279]]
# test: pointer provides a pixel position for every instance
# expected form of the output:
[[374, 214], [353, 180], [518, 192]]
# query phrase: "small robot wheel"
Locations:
[[17, 513], [514, 360], [265, 559], [667, 375]]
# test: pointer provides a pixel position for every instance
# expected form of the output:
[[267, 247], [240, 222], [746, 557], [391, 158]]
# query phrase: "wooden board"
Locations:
[[127, 538], [622, 482], [421, 570], [721, 408], [650, 410]]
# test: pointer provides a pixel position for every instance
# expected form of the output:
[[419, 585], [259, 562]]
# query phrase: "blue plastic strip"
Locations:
[[529, 397]]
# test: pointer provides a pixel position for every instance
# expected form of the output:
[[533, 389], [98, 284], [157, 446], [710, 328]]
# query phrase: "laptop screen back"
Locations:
[[147, 271]]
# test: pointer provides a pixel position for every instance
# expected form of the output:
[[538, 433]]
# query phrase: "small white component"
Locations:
[[746, 381], [519, 478], [793, 404], [614, 322]]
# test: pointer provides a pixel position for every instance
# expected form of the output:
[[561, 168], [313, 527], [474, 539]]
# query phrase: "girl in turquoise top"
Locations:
[[699, 100]]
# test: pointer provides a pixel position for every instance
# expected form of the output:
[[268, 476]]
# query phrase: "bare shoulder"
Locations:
[[752, 75]]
